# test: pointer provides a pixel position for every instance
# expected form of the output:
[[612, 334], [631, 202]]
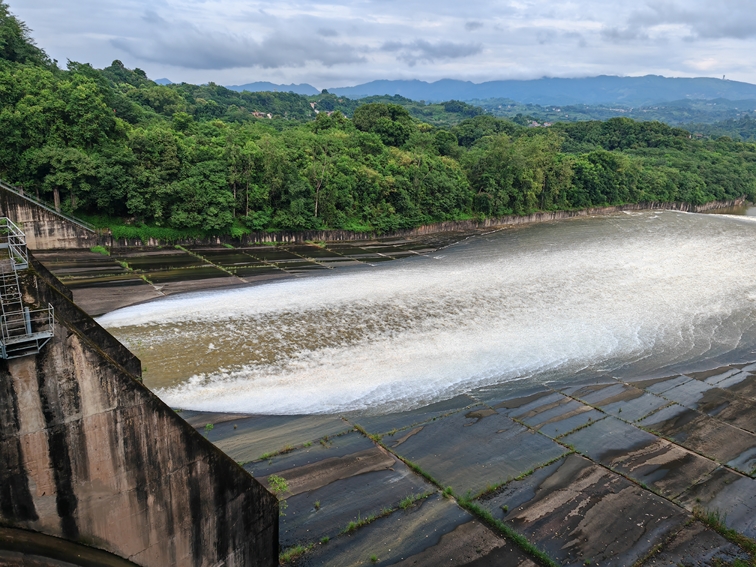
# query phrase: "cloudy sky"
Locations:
[[330, 43]]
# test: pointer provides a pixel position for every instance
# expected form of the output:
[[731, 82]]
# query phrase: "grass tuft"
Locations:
[[293, 553], [411, 499], [516, 538], [100, 250], [715, 520]]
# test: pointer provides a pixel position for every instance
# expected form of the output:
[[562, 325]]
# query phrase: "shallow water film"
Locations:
[[626, 294]]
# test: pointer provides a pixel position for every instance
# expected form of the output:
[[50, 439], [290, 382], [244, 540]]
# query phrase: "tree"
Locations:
[[16, 44], [390, 121]]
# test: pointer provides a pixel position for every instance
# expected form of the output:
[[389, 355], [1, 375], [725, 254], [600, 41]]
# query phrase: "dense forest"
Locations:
[[112, 146]]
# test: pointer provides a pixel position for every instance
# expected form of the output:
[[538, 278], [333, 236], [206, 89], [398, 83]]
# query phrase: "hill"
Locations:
[[631, 91], [262, 86]]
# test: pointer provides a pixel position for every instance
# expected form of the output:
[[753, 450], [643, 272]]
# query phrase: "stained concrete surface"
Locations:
[[432, 532], [582, 513], [696, 546], [729, 494], [382, 424], [249, 438], [474, 449], [20, 548], [705, 435], [625, 495]]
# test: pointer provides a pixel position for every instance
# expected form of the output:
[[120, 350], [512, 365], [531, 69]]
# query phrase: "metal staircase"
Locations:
[[22, 331]]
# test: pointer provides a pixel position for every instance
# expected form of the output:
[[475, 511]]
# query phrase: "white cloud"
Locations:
[[332, 43]]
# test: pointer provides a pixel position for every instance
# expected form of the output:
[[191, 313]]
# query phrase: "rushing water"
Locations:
[[625, 294]]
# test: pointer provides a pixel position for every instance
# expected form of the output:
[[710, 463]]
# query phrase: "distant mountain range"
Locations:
[[261, 86], [628, 91]]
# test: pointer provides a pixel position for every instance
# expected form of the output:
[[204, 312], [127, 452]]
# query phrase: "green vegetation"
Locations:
[[518, 539], [681, 113], [293, 553], [716, 521], [282, 451], [742, 129], [374, 558], [186, 161], [100, 250], [411, 499], [278, 486]]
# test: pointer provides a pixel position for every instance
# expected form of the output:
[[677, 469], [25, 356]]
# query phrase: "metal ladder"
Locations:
[[22, 331]]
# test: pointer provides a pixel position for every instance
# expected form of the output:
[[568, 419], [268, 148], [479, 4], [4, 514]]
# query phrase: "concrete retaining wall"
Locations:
[[450, 226], [45, 230], [90, 455]]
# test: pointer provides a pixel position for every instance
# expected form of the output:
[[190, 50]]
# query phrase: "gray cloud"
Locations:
[[341, 42], [629, 33], [421, 50], [181, 44], [733, 19]]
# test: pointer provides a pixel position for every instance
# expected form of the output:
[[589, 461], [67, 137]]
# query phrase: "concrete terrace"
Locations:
[[593, 471], [102, 283]]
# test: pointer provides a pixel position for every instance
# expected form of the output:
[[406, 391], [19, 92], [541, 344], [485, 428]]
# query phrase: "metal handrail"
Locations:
[[20, 193], [27, 320], [14, 239]]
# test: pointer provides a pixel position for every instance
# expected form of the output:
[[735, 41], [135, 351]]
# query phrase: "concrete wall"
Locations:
[[449, 226], [90, 455], [44, 229]]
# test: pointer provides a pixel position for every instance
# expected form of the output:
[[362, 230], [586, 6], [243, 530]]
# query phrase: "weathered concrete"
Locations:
[[582, 513], [92, 456], [697, 546], [44, 229], [625, 496], [21, 548]]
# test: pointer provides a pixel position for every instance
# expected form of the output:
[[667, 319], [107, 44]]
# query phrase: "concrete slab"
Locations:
[[171, 286], [382, 424], [325, 496], [550, 413], [471, 451], [688, 393], [183, 275], [713, 375], [518, 393], [247, 439], [580, 512], [730, 408], [731, 495], [623, 401], [109, 296], [745, 387], [428, 534], [657, 463], [332, 448], [702, 434], [158, 260], [696, 546], [581, 383], [658, 385], [607, 438]]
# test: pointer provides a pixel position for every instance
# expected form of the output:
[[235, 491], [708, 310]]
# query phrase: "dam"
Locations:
[[574, 393]]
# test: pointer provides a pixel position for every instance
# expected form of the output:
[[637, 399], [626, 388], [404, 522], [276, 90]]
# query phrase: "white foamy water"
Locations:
[[630, 293]]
